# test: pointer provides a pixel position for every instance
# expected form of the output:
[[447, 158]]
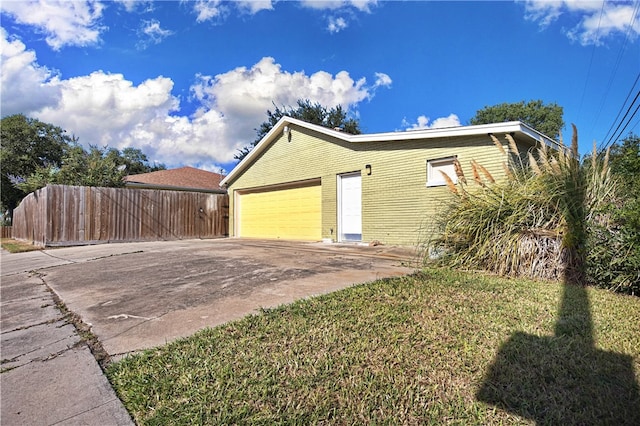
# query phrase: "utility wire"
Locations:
[[604, 144], [629, 121], [615, 67], [615, 135]]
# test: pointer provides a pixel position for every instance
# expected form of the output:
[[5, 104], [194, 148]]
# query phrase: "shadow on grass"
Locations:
[[563, 379]]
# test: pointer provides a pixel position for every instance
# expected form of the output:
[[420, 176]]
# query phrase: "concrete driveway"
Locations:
[[140, 295]]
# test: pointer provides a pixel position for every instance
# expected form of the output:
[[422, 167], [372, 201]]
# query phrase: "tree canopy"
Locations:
[[314, 113], [34, 154], [547, 119], [625, 165], [27, 144]]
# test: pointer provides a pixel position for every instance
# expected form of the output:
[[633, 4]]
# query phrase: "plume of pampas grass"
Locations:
[[543, 157], [512, 144], [450, 184], [534, 165], [476, 175], [605, 166], [574, 141], [459, 172], [497, 143], [486, 173]]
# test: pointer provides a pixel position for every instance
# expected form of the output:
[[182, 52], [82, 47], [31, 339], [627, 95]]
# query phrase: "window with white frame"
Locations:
[[436, 167]]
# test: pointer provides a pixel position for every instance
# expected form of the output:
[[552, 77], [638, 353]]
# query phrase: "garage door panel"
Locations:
[[292, 213]]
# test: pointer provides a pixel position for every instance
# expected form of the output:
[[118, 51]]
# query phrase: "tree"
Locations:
[[27, 145], [137, 162], [105, 167], [613, 255], [547, 119], [625, 166], [34, 154], [332, 118]]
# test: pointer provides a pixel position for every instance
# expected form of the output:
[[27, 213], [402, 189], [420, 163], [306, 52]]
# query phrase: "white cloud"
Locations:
[[25, 85], [73, 23], [254, 6], [344, 7], [107, 109], [152, 33], [361, 5], [423, 123], [382, 80], [598, 20], [336, 25], [208, 9], [243, 95], [132, 5]]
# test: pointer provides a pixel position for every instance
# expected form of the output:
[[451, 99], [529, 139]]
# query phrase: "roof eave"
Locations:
[[265, 141], [142, 185], [459, 131]]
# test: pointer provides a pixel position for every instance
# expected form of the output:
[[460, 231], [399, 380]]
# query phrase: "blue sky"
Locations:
[[188, 82]]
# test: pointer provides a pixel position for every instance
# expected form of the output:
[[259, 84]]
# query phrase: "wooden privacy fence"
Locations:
[[60, 215], [6, 231]]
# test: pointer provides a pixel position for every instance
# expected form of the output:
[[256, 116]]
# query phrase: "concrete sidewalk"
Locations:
[[49, 376]]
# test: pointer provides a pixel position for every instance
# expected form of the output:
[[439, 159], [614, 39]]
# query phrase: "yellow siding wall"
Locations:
[[397, 206]]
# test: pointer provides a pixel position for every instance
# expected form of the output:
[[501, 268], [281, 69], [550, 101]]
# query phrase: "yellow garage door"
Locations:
[[290, 214]]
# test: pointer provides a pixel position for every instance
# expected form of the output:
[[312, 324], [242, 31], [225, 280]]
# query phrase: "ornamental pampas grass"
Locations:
[[486, 173], [450, 184], [530, 224], [476, 175], [497, 143], [534, 164], [459, 172], [512, 144]]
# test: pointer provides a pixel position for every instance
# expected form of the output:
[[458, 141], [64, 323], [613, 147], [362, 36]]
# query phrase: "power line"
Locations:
[[610, 140], [620, 111], [629, 121], [616, 66]]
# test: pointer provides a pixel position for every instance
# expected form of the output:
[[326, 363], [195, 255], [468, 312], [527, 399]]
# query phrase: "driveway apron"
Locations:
[[136, 296]]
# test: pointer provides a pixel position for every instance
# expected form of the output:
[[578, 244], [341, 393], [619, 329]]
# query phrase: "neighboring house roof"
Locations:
[[181, 179], [512, 127]]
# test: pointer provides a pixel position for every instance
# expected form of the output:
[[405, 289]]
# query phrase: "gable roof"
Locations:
[[180, 179], [513, 127]]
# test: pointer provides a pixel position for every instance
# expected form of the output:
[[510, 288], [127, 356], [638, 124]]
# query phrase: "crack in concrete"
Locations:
[[71, 261], [26, 327], [87, 337], [64, 421]]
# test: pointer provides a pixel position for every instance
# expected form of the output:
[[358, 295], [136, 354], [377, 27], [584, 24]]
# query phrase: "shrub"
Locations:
[[613, 255], [553, 218]]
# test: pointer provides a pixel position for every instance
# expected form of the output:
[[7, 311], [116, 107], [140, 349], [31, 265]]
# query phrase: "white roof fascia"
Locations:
[[445, 132], [263, 143]]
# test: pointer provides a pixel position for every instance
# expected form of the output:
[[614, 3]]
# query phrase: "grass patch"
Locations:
[[437, 347], [15, 246]]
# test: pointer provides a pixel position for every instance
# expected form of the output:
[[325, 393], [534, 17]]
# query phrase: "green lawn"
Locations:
[[437, 347], [15, 246]]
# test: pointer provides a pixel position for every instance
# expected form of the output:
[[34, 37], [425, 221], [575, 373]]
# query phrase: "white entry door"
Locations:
[[350, 206]]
